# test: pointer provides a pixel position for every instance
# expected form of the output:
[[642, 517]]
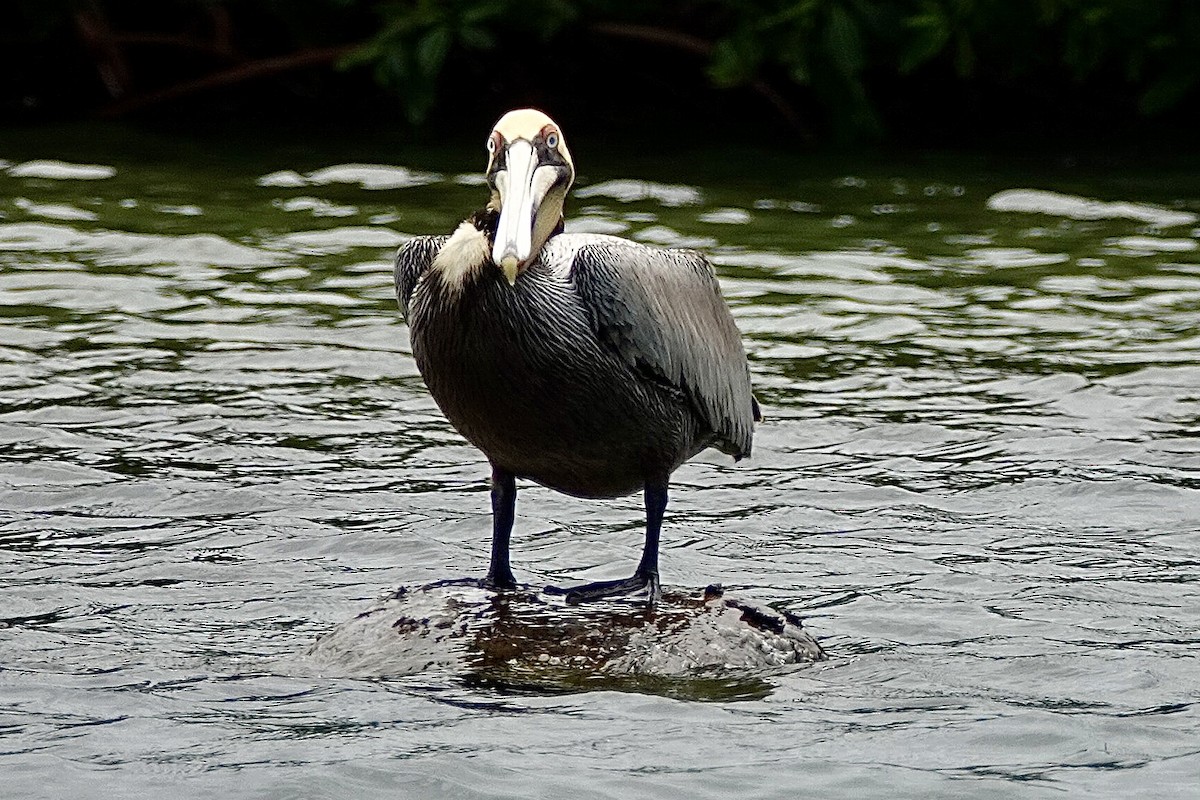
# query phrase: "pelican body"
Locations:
[[589, 364]]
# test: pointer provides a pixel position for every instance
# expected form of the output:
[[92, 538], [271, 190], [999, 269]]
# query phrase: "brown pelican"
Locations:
[[590, 364]]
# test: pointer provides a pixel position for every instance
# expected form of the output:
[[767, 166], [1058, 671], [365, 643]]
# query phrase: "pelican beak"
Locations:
[[522, 187], [510, 267]]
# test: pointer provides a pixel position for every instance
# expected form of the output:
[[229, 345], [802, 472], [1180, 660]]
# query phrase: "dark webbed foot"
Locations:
[[482, 583], [504, 582], [646, 575], [603, 589]]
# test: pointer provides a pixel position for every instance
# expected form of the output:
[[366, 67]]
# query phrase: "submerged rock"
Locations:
[[691, 642]]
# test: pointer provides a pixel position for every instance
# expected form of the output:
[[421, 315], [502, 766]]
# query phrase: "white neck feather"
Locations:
[[463, 254]]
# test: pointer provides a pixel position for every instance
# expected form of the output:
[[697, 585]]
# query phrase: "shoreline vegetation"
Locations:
[[804, 73]]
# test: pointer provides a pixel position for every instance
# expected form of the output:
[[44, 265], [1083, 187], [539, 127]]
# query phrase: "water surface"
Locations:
[[977, 482]]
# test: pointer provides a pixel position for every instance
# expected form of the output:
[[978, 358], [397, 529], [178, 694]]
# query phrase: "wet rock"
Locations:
[[694, 642]]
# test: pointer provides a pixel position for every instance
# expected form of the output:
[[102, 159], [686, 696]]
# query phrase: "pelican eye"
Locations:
[[491, 144], [552, 141]]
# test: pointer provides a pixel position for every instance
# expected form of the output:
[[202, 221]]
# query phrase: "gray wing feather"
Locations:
[[662, 310], [412, 260]]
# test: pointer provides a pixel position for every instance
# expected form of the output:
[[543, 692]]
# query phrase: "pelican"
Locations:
[[586, 363]]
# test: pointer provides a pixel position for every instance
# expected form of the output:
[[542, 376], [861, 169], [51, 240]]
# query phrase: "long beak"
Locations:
[[522, 188]]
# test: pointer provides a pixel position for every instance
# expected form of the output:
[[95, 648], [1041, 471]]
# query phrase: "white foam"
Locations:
[[61, 171], [726, 216], [335, 240], [1038, 201], [627, 190], [316, 206], [122, 248], [283, 179], [53, 210], [1157, 245], [368, 176], [373, 176]]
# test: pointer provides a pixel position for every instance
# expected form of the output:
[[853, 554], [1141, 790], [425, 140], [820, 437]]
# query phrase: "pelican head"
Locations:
[[529, 172]]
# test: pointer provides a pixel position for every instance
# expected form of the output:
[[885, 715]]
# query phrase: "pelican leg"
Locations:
[[504, 504], [646, 575]]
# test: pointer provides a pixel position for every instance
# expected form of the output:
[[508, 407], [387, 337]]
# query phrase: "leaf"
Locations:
[[929, 34], [483, 12], [843, 44], [1166, 92], [392, 69], [367, 53], [476, 38], [431, 51], [734, 61]]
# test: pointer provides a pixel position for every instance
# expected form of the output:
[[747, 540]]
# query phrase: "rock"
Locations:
[[694, 643]]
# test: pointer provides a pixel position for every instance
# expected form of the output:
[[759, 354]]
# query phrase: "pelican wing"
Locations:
[[662, 311], [412, 260]]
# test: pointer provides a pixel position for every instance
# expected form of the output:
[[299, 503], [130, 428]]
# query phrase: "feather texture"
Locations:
[[412, 260], [662, 311], [607, 364]]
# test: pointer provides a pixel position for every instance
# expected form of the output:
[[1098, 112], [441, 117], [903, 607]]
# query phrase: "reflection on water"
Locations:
[[977, 481]]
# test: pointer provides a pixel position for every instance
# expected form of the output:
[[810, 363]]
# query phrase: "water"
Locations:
[[977, 482]]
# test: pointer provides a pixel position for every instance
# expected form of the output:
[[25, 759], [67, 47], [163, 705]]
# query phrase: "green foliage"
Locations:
[[833, 49], [415, 38], [1145, 46], [844, 63]]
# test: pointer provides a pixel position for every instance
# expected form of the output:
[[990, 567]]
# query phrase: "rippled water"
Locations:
[[977, 482]]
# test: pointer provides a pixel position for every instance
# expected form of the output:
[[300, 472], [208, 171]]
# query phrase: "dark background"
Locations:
[[808, 74]]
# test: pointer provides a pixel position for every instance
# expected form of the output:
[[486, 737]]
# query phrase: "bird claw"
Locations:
[[599, 590]]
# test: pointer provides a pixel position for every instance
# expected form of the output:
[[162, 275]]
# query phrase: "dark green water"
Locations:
[[977, 480]]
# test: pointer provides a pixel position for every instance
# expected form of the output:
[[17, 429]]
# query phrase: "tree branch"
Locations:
[[250, 70], [97, 36]]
